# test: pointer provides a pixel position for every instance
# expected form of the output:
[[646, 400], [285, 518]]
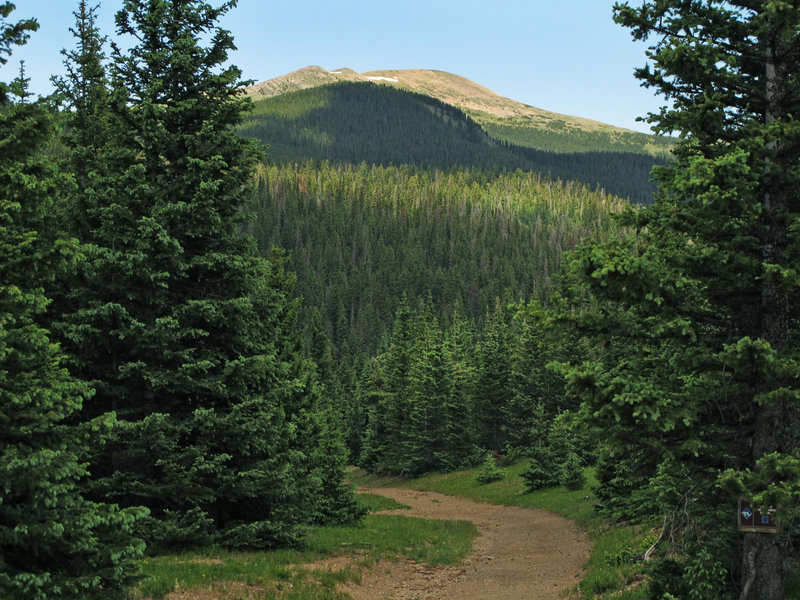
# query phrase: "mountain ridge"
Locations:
[[431, 82], [503, 118], [354, 122]]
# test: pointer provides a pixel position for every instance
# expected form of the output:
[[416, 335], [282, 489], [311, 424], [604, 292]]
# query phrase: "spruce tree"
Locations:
[[177, 322], [526, 379], [693, 381], [459, 429], [429, 387], [493, 392], [53, 542], [315, 438], [388, 395]]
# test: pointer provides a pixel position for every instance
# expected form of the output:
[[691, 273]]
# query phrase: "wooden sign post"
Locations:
[[751, 519]]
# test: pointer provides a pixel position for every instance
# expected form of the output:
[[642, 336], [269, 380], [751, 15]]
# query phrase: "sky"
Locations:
[[566, 56]]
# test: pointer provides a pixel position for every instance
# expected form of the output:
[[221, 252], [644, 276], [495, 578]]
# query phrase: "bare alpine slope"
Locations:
[[447, 87]]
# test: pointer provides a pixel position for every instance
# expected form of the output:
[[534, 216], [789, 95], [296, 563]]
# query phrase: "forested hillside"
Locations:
[[363, 122], [208, 307], [559, 135], [361, 237], [387, 256]]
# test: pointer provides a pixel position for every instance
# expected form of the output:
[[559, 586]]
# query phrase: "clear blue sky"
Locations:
[[561, 55]]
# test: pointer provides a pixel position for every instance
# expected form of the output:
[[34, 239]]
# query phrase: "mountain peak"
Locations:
[[447, 87], [502, 117]]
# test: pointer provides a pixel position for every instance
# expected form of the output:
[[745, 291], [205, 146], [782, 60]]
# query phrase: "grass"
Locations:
[[426, 541], [240, 575], [286, 575], [376, 502], [611, 571]]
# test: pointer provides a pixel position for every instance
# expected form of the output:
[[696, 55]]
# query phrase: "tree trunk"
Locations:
[[762, 568], [762, 560]]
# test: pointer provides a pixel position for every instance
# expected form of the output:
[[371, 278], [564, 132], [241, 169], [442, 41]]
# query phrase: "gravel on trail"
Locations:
[[519, 554]]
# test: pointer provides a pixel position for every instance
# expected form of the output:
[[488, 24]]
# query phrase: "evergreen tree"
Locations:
[[85, 92], [53, 542], [420, 391], [375, 398], [391, 405], [429, 387], [459, 429], [183, 330], [695, 330], [493, 392], [527, 374], [313, 427]]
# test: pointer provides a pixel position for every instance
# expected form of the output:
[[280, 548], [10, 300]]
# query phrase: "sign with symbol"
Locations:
[[752, 519]]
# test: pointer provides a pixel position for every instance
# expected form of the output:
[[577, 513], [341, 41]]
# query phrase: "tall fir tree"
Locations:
[[53, 542], [85, 93], [429, 387], [528, 372], [313, 428], [459, 429], [493, 392], [388, 396], [694, 378], [177, 322]]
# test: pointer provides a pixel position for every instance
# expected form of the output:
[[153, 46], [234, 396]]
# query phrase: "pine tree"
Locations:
[[493, 392], [694, 376], [180, 326], [53, 542], [389, 396], [429, 388]]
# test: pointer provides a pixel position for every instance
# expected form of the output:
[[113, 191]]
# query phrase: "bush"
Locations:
[[508, 458], [538, 476], [572, 476], [489, 472], [667, 577]]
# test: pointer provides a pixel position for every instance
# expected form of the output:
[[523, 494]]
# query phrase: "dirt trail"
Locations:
[[519, 554]]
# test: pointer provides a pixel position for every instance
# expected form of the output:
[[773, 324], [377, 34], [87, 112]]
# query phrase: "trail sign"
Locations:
[[751, 519]]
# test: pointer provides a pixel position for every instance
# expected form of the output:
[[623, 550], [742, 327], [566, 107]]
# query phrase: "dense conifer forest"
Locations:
[[209, 308], [364, 122], [376, 248], [361, 237]]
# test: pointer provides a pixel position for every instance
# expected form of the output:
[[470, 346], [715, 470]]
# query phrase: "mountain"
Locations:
[[355, 122], [502, 118]]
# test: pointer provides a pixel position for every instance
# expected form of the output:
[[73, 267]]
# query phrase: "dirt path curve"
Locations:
[[519, 554]]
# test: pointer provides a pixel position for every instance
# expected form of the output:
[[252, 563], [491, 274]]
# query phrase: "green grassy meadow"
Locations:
[[611, 572], [286, 574]]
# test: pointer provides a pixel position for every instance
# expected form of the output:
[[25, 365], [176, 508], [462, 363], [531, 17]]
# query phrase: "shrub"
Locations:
[[489, 472], [508, 458], [539, 476], [572, 476]]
